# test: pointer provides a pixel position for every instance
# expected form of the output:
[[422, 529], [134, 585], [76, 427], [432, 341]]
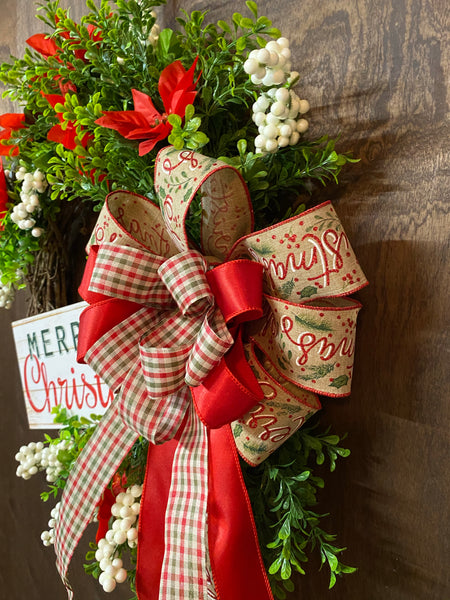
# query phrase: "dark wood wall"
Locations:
[[376, 72]]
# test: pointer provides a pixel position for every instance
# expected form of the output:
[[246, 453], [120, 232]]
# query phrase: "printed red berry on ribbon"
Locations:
[[210, 351]]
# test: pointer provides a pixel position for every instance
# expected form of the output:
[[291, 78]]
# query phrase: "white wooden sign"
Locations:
[[46, 347]]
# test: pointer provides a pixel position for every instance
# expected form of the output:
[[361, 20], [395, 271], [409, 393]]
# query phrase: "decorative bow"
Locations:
[[190, 347]]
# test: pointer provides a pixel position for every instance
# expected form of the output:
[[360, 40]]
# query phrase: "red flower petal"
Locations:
[[124, 122], [12, 120], [143, 104], [65, 87], [54, 99], [175, 78], [43, 44], [159, 131], [147, 146], [67, 137]]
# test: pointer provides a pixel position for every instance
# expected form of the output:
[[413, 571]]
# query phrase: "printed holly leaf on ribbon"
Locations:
[[328, 221], [310, 324], [281, 363], [237, 430], [287, 288], [285, 409], [256, 449], [339, 381], [263, 250], [308, 291], [317, 372]]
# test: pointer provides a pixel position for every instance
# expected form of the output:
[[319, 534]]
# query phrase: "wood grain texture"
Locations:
[[377, 73]]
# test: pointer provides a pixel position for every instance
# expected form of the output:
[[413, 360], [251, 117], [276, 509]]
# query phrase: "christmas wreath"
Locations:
[[217, 292]]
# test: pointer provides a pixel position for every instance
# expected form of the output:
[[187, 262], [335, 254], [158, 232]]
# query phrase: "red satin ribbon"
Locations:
[[152, 519], [236, 561], [105, 505], [104, 514], [103, 312]]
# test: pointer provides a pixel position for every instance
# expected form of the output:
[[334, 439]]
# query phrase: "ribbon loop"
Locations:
[[129, 274], [237, 288], [184, 275], [211, 344]]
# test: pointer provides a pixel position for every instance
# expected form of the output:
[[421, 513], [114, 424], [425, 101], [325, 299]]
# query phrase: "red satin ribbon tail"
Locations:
[[152, 519], [238, 569]]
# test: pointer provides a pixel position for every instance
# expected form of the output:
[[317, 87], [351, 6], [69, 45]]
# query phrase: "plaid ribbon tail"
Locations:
[[93, 470], [184, 569]]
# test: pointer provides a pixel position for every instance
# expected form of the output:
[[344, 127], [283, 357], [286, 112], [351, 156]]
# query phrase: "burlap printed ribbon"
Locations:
[[208, 351]]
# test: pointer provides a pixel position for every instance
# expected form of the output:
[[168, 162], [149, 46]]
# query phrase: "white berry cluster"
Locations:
[[48, 537], [270, 65], [32, 185], [278, 112], [125, 511], [35, 457], [6, 295]]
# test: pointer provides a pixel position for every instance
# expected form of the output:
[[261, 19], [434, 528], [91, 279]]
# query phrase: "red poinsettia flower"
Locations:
[[47, 46], [3, 194], [177, 89], [10, 122], [68, 136]]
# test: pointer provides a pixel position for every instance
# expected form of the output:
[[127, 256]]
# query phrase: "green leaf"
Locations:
[[241, 45], [189, 112], [346, 569], [273, 32], [302, 476], [237, 17], [285, 530], [261, 41], [253, 7], [246, 22], [332, 560], [164, 40], [263, 22], [332, 580], [286, 569], [289, 585], [242, 146], [331, 439], [224, 26], [276, 565], [175, 120]]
